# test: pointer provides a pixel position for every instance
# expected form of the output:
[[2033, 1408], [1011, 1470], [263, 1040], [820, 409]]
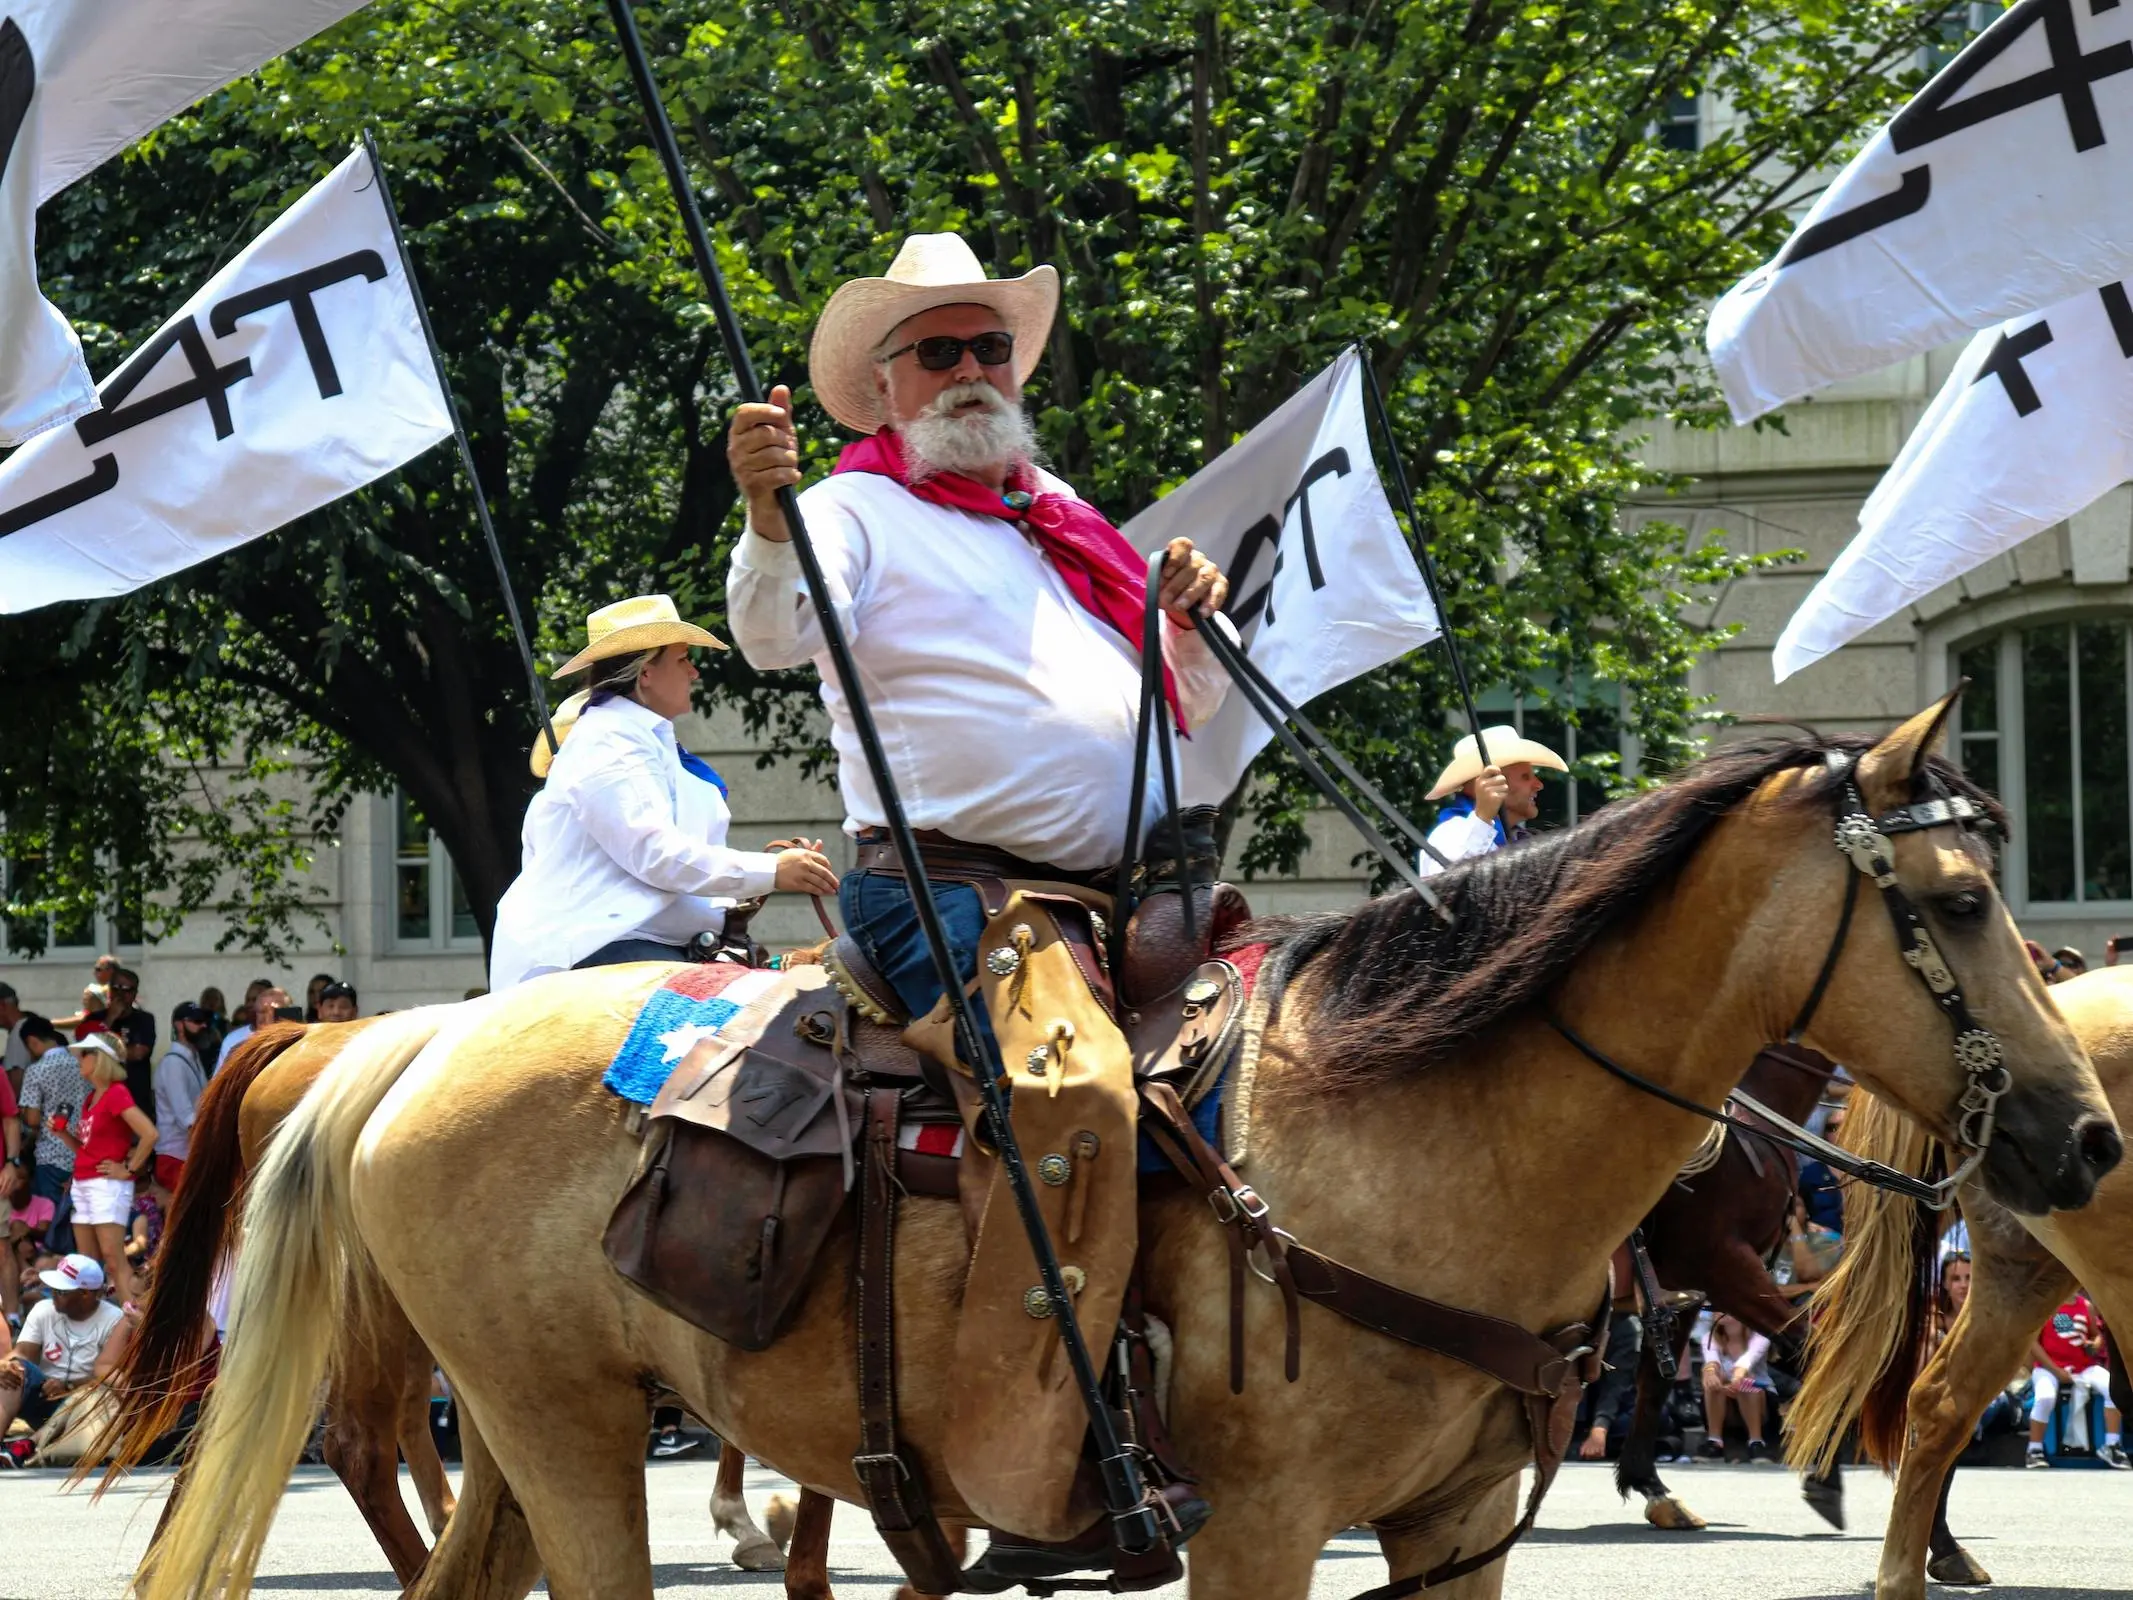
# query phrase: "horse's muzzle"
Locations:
[[2050, 1152]]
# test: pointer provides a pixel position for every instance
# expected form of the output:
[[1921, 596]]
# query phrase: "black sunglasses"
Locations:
[[943, 351]]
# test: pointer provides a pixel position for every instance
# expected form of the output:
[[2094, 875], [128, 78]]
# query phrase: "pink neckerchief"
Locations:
[[1102, 570]]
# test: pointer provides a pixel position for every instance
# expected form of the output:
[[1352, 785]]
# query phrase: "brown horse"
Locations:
[[1713, 1234], [1869, 1334], [1416, 1110]]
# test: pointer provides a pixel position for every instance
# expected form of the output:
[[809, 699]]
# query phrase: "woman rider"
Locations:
[[625, 855]]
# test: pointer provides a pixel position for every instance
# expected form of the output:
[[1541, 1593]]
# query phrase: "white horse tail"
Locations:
[[288, 1306], [1871, 1316]]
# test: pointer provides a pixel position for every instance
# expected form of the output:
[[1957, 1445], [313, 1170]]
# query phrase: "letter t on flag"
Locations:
[[296, 374], [1323, 586]]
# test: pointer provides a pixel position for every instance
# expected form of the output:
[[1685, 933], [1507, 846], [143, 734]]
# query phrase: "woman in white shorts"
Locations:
[[114, 1142]]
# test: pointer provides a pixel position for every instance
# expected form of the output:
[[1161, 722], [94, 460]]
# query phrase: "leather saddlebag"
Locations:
[[746, 1164]]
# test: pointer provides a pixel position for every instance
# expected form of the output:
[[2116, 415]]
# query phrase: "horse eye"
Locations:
[[1965, 905]]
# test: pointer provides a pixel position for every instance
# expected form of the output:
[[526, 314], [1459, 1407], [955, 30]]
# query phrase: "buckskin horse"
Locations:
[[1872, 1329], [1424, 1104]]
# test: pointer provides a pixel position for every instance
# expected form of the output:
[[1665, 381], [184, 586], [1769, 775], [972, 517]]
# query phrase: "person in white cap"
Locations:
[[994, 615], [624, 849], [56, 1352], [1490, 802]]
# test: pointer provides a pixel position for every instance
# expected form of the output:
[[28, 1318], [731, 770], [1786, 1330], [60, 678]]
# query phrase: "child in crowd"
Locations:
[[2069, 1355], [1735, 1374]]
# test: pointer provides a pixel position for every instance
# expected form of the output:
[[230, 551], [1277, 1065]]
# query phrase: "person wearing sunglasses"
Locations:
[[995, 618]]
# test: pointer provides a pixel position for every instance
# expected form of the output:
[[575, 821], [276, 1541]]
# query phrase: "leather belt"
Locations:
[[957, 861]]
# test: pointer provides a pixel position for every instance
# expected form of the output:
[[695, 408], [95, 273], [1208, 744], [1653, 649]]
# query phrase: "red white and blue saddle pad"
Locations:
[[692, 1004]]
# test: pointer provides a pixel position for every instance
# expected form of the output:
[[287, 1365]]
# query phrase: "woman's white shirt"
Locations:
[[622, 842]]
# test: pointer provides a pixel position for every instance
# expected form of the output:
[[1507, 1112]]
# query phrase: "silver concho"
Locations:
[[1002, 962], [1039, 1059], [1859, 839], [1037, 1302], [1977, 1051], [1055, 1169]]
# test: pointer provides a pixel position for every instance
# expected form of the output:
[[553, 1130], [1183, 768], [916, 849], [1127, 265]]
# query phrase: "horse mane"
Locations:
[[1401, 989]]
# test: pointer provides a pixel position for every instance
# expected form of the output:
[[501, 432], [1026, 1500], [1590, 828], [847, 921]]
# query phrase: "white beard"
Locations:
[[951, 435]]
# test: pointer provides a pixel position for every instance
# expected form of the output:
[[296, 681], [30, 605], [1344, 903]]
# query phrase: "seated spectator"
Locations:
[[1735, 1376], [1609, 1403], [337, 1003], [55, 1354], [2069, 1356], [1950, 1298], [113, 1145], [14, 1186], [1812, 1250], [2071, 960], [144, 1233]]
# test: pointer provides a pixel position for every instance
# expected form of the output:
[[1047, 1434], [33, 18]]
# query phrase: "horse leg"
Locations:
[[486, 1550], [585, 1509], [1413, 1547], [418, 1445], [361, 1446], [2012, 1291], [1638, 1470], [753, 1549], [807, 1552]]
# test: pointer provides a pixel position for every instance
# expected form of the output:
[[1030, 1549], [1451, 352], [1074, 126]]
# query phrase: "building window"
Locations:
[[68, 934], [1681, 124], [430, 909], [1592, 746], [2044, 724]]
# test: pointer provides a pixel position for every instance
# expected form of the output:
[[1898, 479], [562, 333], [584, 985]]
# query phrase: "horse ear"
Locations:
[[1888, 772]]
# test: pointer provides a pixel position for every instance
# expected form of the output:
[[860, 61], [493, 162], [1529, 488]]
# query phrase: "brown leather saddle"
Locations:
[[750, 1148]]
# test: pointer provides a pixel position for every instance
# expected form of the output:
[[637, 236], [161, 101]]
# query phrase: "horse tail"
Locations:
[[287, 1309], [1870, 1318], [163, 1366]]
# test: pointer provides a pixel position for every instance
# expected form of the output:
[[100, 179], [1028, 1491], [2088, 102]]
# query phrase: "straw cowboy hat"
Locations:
[[1506, 745], [562, 719], [932, 269], [629, 626]]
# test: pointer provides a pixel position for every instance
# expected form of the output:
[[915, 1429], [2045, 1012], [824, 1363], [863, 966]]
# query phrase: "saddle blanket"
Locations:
[[692, 1004]]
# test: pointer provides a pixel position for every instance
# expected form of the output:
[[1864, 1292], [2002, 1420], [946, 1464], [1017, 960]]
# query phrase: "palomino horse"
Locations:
[[1416, 1108], [1867, 1338], [1713, 1233]]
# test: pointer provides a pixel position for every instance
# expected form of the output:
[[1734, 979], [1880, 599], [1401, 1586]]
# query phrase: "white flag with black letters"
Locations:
[[79, 81], [2035, 423], [297, 373], [2001, 189], [1323, 586]]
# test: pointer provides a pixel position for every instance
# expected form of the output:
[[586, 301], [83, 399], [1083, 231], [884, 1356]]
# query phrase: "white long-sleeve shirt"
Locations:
[[621, 843], [1459, 838], [1006, 709]]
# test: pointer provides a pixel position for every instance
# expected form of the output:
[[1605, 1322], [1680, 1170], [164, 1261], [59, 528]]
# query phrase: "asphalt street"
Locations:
[[2063, 1535]]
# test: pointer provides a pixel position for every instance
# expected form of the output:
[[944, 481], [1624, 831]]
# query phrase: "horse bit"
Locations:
[[1865, 841]]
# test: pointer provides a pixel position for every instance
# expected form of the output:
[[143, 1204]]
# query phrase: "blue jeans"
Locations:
[[879, 914], [56, 1184], [36, 1410]]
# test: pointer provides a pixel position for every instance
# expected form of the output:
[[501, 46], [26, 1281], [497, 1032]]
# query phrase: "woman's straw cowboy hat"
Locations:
[[932, 269], [562, 719], [1506, 745], [628, 626]]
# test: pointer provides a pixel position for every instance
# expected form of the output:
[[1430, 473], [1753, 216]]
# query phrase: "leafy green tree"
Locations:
[[1498, 197]]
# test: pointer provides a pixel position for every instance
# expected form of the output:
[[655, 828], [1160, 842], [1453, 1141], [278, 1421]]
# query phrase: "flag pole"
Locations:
[[1133, 1520], [1414, 523], [466, 449]]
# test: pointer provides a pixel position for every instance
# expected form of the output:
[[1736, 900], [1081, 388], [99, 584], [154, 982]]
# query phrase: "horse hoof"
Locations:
[[779, 1517], [1668, 1512], [756, 1553], [1826, 1500], [1959, 1568]]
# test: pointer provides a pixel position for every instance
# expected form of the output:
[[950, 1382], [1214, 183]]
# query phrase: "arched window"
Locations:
[[2044, 724]]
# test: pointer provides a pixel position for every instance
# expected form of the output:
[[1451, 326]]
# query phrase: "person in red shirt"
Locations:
[[113, 1141], [2069, 1355]]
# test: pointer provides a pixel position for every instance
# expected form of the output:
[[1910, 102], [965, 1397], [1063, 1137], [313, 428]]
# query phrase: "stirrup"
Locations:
[[1045, 1569]]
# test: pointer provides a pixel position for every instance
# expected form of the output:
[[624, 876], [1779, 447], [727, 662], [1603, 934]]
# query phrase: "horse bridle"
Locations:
[[1865, 840]]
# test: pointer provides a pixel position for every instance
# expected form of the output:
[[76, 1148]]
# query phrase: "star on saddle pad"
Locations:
[[690, 1006]]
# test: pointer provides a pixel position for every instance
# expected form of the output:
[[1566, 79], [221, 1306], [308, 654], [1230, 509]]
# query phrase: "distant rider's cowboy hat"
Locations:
[[1506, 746], [628, 626], [562, 719], [932, 269]]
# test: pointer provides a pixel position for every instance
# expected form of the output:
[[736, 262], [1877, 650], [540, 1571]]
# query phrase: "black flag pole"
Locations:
[[1134, 1523], [1421, 538], [466, 450]]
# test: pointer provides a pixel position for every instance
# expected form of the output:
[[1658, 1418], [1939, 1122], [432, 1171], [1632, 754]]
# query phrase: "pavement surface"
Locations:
[[2062, 1535]]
